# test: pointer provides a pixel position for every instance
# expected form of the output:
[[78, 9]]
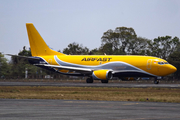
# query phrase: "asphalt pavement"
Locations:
[[35, 109], [76, 84]]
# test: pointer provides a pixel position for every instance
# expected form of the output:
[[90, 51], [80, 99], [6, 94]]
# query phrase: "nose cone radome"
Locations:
[[172, 69]]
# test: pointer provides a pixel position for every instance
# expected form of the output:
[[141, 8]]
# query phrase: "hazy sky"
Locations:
[[61, 22]]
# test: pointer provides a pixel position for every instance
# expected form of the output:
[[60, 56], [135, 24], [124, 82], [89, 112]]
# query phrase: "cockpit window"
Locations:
[[162, 63]]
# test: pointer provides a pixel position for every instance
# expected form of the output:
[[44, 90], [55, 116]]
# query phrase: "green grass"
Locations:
[[91, 93]]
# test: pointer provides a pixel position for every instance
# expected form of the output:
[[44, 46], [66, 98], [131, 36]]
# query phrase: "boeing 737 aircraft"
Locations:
[[95, 67]]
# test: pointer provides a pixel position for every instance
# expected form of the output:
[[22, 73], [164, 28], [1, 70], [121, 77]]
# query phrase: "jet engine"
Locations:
[[102, 75]]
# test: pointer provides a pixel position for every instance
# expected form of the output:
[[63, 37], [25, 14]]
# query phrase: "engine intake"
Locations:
[[102, 75]]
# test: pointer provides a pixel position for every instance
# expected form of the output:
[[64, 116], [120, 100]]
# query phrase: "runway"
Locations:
[[90, 110], [76, 84], [38, 109]]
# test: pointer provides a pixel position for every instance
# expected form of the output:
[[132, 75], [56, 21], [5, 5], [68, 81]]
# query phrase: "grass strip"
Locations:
[[91, 93]]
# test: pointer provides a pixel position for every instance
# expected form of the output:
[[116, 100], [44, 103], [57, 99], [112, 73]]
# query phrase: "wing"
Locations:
[[56, 67], [70, 69]]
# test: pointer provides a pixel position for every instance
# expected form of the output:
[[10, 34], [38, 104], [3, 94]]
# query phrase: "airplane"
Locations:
[[94, 67]]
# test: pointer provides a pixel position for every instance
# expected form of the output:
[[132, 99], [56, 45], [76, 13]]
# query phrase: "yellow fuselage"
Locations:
[[146, 63]]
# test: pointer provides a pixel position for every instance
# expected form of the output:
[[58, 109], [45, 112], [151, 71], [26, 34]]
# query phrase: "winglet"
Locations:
[[37, 44]]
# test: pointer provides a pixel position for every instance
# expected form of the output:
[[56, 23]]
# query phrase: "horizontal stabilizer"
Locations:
[[25, 57]]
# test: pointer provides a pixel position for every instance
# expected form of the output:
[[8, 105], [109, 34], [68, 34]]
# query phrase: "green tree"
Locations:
[[95, 51], [4, 66], [163, 46], [25, 52], [76, 49], [18, 65], [107, 48], [174, 59], [122, 41], [138, 46], [126, 37], [110, 42]]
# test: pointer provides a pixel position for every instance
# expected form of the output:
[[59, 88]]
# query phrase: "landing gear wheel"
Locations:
[[104, 81], [89, 80], [156, 81]]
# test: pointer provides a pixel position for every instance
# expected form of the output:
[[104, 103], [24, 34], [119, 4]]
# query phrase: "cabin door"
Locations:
[[149, 64]]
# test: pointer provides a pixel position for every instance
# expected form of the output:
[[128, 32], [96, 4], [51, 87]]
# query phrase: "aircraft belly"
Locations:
[[132, 74]]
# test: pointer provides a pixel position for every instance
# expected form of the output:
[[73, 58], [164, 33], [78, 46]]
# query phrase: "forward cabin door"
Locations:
[[149, 64]]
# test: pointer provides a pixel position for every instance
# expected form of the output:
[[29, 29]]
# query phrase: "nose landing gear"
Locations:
[[157, 79]]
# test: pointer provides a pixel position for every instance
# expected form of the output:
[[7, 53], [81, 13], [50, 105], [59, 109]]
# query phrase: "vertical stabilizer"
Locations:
[[37, 44]]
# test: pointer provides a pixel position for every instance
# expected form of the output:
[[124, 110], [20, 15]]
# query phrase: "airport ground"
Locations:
[[171, 81], [72, 99], [79, 90], [38, 109]]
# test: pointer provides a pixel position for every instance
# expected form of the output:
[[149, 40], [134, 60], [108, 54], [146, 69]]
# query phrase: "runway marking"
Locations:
[[82, 101], [131, 104]]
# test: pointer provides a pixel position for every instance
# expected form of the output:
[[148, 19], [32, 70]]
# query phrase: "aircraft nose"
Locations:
[[173, 69]]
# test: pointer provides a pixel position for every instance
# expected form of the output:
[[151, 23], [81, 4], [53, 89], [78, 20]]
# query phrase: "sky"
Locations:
[[61, 22]]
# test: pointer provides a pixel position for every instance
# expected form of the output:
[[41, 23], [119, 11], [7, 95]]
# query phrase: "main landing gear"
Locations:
[[89, 80], [157, 79], [104, 81]]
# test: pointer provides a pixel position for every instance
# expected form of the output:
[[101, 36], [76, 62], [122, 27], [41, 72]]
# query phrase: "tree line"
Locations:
[[121, 41]]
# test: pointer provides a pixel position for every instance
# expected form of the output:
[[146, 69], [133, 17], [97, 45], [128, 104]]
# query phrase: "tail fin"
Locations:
[[37, 44]]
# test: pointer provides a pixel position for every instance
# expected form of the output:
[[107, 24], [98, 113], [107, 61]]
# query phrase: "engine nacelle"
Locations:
[[102, 75]]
